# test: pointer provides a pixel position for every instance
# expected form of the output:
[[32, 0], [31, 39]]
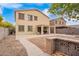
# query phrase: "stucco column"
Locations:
[[54, 29], [41, 29], [49, 29]]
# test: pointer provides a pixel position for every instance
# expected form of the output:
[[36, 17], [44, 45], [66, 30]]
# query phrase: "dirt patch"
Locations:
[[40, 42], [11, 47]]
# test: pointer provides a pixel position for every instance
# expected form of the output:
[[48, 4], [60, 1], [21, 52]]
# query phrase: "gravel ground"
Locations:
[[11, 47]]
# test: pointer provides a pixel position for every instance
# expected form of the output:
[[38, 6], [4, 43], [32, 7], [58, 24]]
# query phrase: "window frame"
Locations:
[[21, 28], [35, 18], [21, 16], [30, 17], [56, 22], [30, 28], [60, 22]]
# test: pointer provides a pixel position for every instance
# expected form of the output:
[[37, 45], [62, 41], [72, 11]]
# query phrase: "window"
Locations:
[[29, 28], [30, 17], [63, 22], [59, 22], [55, 22], [35, 18], [21, 28], [21, 16]]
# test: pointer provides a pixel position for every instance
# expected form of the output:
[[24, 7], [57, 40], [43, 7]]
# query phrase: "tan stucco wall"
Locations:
[[42, 20], [3, 32]]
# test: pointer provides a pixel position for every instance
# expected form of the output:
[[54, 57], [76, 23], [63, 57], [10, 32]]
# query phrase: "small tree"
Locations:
[[7, 24], [1, 19], [69, 10]]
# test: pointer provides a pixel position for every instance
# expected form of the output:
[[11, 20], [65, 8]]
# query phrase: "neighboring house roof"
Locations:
[[58, 19], [33, 10]]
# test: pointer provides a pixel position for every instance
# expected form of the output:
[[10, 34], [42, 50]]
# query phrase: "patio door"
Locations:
[[45, 30], [39, 30]]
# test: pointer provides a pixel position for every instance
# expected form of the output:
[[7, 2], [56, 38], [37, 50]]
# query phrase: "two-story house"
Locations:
[[34, 22], [31, 22]]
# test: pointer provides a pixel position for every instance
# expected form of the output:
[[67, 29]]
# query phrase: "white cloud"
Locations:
[[45, 11], [4, 19], [72, 22], [51, 16], [0, 10], [11, 5], [14, 23]]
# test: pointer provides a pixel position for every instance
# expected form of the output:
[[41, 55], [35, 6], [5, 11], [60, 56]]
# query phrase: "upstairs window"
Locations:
[[56, 22], [21, 28], [30, 17], [21, 15], [60, 22], [63, 22], [35, 18]]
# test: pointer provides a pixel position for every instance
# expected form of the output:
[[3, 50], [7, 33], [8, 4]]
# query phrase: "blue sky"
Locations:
[[7, 10]]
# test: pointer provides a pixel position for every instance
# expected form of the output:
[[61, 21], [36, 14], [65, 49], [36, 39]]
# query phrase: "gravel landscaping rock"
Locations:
[[11, 47]]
